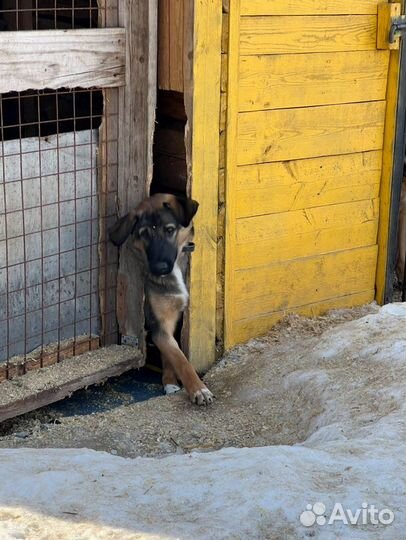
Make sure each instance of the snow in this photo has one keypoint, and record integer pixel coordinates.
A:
(350, 456)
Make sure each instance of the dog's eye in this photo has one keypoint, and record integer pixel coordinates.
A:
(143, 232)
(170, 229)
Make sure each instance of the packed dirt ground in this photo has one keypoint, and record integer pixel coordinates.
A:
(254, 406)
(321, 404)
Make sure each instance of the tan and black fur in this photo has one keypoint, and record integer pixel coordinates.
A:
(159, 228)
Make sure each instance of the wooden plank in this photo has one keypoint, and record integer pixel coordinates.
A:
(387, 11)
(62, 59)
(224, 72)
(267, 175)
(387, 174)
(323, 193)
(48, 385)
(202, 101)
(136, 119)
(286, 224)
(308, 7)
(164, 79)
(176, 44)
(224, 33)
(220, 282)
(170, 44)
(47, 356)
(304, 34)
(288, 284)
(230, 164)
(107, 182)
(248, 328)
(223, 112)
(282, 187)
(278, 135)
(302, 80)
(302, 244)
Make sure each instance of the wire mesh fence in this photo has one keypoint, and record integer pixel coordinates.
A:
(58, 186)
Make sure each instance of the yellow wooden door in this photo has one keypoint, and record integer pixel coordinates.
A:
(307, 105)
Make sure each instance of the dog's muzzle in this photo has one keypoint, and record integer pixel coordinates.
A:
(161, 268)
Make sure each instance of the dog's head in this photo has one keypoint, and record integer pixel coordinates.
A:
(159, 227)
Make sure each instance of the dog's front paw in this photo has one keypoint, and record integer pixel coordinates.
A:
(202, 397)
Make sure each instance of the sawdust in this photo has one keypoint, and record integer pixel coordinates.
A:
(254, 407)
(57, 375)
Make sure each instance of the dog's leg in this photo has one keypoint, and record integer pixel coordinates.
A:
(184, 370)
(169, 379)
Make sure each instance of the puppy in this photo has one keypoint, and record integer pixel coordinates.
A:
(159, 229)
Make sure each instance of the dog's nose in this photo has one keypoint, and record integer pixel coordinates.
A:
(161, 268)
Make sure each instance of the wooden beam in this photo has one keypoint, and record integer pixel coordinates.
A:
(171, 42)
(387, 174)
(62, 59)
(107, 181)
(202, 102)
(47, 355)
(230, 163)
(136, 120)
(48, 385)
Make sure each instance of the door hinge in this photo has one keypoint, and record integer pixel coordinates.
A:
(391, 26)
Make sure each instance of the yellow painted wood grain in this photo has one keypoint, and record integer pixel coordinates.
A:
(305, 132)
(300, 80)
(204, 187)
(283, 134)
(288, 284)
(282, 187)
(356, 233)
(266, 175)
(230, 163)
(282, 35)
(286, 224)
(387, 174)
(308, 7)
(283, 199)
(256, 326)
(387, 11)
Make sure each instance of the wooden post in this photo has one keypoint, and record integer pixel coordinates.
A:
(202, 102)
(387, 175)
(137, 101)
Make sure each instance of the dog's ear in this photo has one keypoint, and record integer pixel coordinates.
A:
(121, 230)
(189, 207)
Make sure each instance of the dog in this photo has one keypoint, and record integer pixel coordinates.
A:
(159, 228)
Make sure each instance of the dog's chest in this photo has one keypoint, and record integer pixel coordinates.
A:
(180, 282)
(171, 289)
(178, 291)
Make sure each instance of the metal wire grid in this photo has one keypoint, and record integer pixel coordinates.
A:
(49, 14)
(55, 262)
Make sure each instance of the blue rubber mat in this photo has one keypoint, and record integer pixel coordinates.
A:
(131, 387)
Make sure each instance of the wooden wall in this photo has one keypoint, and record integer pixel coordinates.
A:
(171, 43)
(305, 128)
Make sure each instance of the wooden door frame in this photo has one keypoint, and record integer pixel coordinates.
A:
(399, 144)
(202, 75)
(136, 118)
(392, 172)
